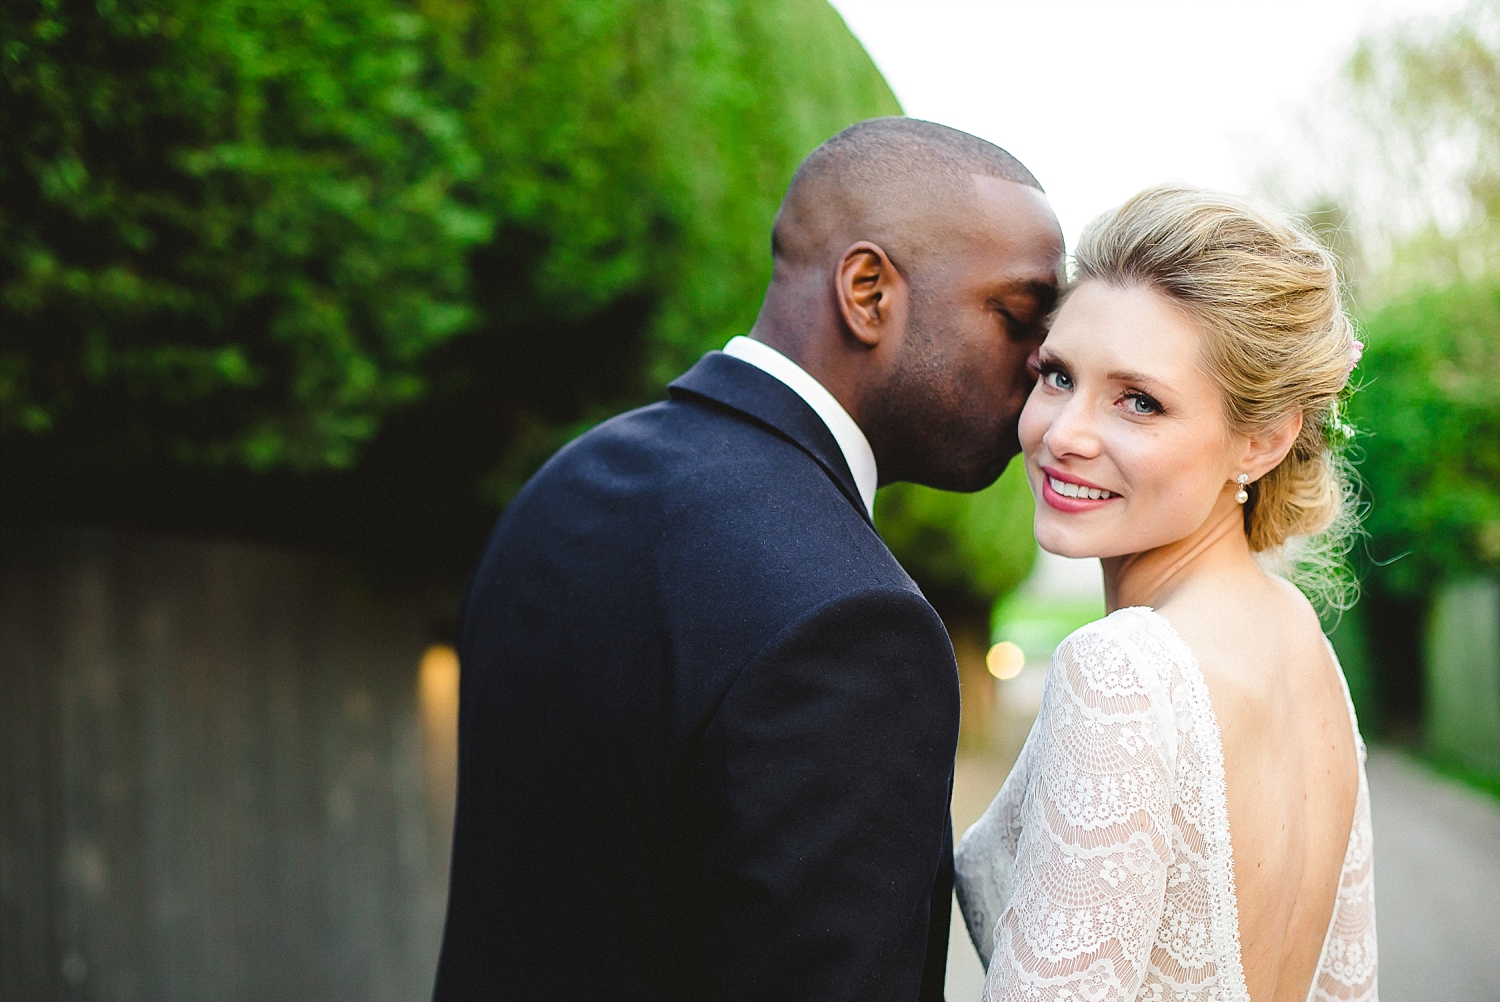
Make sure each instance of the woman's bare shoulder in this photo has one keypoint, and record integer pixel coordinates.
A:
(1297, 604)
(1238, 630)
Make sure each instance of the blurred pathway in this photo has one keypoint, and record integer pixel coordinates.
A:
(1437, 882)
(1437, 885)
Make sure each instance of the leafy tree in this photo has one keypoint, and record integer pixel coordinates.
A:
(1429, 451)
(1430, 420)
(244, 226)
(1431, 407)
(1428, 93)
(967, 550)
(229, 228)
(1416, 115)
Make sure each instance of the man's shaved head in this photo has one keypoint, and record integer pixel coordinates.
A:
(915, 267)
(900, 182)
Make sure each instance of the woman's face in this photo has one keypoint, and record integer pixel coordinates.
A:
(1124, 435)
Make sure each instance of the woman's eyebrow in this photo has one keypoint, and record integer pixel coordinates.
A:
(1128, 376)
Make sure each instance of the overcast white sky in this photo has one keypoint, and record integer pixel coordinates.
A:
(1101, 98)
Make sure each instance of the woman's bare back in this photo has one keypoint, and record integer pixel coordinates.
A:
(1290, 763)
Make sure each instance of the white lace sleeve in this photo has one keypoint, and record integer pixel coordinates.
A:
(1091, 862)
(1347, 969)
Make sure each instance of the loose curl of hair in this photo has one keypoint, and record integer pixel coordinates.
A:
(1277, 341)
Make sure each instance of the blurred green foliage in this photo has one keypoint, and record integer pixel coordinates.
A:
(1429, 413)
(1429, 93)
(1429, 407)
(966, 550)
(237, 220)
(1038, 624)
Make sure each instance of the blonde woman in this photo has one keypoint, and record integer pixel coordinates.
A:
(1189, 818)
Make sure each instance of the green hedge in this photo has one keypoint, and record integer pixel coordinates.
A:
(1429, 445)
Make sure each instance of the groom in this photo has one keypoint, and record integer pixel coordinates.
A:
(707, 722)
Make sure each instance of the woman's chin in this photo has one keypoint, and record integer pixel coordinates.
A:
(1064, 548)
(1062, 543)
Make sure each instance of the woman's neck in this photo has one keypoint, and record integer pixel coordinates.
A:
(1150, 577)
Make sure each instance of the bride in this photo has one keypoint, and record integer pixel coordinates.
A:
(1189, 818)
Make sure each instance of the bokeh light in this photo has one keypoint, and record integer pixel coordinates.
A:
(1005, 660)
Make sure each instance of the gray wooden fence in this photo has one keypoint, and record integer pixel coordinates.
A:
(1463, 675)
(218, 779)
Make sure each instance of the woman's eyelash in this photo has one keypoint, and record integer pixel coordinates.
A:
(1054, 375)
(1150, 402)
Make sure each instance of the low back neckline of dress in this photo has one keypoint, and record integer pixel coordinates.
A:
(1189, 660)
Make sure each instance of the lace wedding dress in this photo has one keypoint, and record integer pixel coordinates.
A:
(1103, 869)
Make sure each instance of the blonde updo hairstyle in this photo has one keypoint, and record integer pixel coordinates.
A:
(1267, 298)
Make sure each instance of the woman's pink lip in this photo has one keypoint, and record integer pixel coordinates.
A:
(1071, 506)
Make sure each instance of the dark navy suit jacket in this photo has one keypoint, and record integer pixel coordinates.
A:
(707, 724)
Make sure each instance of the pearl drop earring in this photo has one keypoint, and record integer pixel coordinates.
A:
(1242, 495)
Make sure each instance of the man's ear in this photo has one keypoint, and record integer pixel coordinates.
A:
(872, 294)
(1263, 451)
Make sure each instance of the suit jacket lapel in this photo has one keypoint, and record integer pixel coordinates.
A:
(768, 401)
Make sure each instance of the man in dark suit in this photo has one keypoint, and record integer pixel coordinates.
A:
(707, 722)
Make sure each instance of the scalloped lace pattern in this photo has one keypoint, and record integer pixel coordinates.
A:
(1103, 870)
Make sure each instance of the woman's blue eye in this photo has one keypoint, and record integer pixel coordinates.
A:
(1056, 379)
(1142, 405)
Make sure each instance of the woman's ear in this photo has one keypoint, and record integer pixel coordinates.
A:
(872, 294)
(1263, 451)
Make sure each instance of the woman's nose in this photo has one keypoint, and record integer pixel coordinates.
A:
(1072, 432)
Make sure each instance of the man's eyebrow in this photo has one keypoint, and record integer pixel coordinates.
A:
(1042, 295)
(1031, 286)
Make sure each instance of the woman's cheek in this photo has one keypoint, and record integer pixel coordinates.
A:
(1035, 420)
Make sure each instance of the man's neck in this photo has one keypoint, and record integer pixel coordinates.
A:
(800, 320)
(851, 440)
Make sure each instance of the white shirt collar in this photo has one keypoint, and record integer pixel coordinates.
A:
(852, 441)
